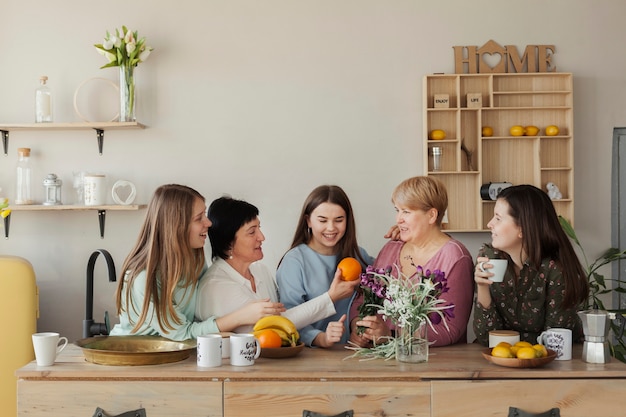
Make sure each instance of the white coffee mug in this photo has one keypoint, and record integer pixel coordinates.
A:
(226, 344)
(497, 336)
(244, 349)
(558, 340)
(47, 347)
(498, 268)
(95, 190)
(209, 350)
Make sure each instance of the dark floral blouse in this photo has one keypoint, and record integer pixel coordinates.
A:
(529, 306)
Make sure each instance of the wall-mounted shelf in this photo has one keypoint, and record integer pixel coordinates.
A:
(101, 212)
(470, 159)
(99, 127)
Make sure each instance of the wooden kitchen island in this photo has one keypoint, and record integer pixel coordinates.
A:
(456, 381)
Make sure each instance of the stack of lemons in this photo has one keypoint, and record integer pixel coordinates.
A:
(520, 350)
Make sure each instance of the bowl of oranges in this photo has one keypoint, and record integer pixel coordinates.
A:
(520, 355)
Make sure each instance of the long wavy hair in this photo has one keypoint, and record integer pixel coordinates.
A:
(347, 245)
(543, 237)
(163, 251)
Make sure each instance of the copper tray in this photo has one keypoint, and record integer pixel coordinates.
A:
(134, 350)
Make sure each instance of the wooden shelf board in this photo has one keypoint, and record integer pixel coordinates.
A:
(513, 92)
(61, 207)
(72, 126)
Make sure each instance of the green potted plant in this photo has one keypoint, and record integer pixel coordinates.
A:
(598, 284)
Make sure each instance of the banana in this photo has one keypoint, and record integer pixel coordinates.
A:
(281, 325)
(286, 338)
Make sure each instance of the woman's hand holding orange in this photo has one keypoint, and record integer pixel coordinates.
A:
(340, 289)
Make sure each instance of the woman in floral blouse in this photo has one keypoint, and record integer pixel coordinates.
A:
(544, 284)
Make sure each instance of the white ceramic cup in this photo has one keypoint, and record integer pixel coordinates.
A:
(558, 340)
(497, 336)
(498, 268)
(47, 347)
(226, 344)
(244, 349)
(95, 190)
(209, 350)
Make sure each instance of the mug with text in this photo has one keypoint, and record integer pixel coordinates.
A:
(558, 340)
(47, 347)
(95, 189)
(244, 349)
(209, 350)
(226, 344)
(498, 268)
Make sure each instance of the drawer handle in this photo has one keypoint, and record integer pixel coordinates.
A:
(307, 413)
(516, 412)
(135, 413)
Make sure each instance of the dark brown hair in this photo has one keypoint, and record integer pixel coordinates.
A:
(347, 245)
(543, 237)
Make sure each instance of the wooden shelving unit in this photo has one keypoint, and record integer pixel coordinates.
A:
(538, 99)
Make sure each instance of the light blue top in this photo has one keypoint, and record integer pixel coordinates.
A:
(304, 274)
(184, 306)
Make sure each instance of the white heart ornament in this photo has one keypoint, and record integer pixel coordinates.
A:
(124, 192)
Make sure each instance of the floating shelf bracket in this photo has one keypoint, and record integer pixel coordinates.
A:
(5, 141)
(101, 218)
(100, 138)
(7, 223)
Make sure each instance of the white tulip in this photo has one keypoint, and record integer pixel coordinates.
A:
(145, 54)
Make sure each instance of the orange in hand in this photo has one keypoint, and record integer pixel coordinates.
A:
(268, 338)
(350, 269)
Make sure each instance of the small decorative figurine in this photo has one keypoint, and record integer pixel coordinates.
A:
(553, 191)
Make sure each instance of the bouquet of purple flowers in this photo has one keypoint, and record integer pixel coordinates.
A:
(405, 301)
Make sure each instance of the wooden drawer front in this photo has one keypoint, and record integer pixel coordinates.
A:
(289, 398)
(81, 398)
(574, 397)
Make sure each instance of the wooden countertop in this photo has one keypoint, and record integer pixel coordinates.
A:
(459, 362)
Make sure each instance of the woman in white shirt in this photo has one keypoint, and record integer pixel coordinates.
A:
(237, 278)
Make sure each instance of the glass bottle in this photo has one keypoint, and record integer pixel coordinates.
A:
(43, 102)
(24, 177)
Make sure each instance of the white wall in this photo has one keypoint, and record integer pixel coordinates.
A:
(266, 100)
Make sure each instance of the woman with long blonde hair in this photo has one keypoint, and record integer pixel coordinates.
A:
(156, 294)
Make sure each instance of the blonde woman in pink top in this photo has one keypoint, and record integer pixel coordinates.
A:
(420, 204)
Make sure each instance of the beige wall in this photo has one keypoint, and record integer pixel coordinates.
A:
(267, 99)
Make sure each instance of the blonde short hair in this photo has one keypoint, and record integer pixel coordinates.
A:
(422, 193)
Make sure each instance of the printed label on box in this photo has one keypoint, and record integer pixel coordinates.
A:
(442, 101)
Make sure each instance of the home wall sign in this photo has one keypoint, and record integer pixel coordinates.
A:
(494, 58)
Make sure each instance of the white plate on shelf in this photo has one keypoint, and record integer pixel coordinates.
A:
(97, 100)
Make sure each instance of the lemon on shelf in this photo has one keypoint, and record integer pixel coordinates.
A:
(552, 130)
(531, 131)
(516, 130)
(487, 131)
(437, 134)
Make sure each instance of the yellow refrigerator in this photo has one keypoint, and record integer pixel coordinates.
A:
(19, 311)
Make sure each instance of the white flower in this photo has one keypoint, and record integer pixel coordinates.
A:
(108, 44)
(124, 48)
(130, 47)
(144, 54)
(128, 36)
